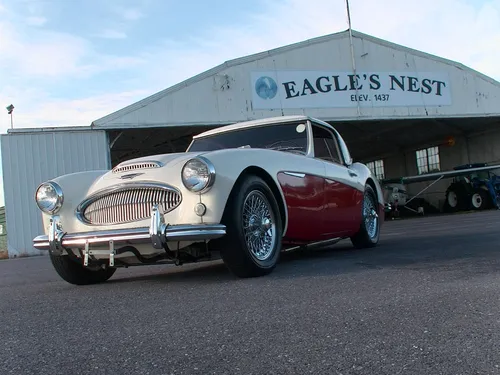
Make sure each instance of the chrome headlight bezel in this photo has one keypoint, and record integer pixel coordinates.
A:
(59, 196)
(201, 187)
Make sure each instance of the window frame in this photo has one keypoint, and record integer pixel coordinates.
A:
(374, 170)
(425, 155)
(335, 141)
(269, 125)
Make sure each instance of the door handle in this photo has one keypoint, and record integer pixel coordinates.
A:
(353, 174)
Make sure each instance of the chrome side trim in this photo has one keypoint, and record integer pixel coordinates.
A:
(295, 174)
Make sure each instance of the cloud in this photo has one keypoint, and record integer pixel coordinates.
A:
(468, 34)
(426, 25)
(131, 14)
(36, 21)
(35, 108)
(112, 34)
(54, 55)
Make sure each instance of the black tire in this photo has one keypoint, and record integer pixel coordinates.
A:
(451, 203)
(364, 239)
(480, 199)
(75, 273)
(456, 198)
(234, 249)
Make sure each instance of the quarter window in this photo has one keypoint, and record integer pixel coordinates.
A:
(325, 145)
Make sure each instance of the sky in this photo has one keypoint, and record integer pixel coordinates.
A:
(69, 62)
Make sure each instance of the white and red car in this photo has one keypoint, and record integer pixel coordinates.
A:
(243, 192)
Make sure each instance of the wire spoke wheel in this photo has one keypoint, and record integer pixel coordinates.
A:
(369, 229)
(370, 216)
(259, 225)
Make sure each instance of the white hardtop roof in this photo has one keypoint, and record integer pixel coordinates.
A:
(256, 123)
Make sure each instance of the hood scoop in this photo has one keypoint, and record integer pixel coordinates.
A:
(133, 166)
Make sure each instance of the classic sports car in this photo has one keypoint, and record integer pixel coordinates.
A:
(243, 192)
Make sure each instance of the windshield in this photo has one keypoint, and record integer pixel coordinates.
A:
(291, 137)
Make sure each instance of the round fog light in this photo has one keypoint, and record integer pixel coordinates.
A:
(200, 209)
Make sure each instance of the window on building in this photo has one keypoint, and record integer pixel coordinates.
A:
(428, 160)
(377, 168)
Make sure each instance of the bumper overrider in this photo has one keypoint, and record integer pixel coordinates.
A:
(157, 235)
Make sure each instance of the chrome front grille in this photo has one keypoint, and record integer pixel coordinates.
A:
(127, 203)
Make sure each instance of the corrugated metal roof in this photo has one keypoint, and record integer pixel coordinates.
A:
(51, 129)
(242, 60)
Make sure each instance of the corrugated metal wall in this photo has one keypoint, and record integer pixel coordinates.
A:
(29, 159)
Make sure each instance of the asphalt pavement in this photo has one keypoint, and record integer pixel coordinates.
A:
(425, 301)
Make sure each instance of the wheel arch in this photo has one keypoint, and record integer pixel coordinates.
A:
(371, 182)
(260, 172)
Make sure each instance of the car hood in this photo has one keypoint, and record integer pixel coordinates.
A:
(149, 168)
(165, 159)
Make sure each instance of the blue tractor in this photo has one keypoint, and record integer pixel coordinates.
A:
(477, 190)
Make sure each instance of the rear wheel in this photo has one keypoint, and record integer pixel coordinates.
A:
(452, 199)
(252, 244)
(457, 197)
(75, 273)
(479, 199)
(369, 231)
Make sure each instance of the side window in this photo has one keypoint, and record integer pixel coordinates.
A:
(325, 145)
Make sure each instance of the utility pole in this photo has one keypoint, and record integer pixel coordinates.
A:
(10, 109)
(353, 60)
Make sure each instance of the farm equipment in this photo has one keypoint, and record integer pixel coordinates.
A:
(480, 188)
(477, 190)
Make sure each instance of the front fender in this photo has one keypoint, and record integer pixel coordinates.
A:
(364, 175)
(231, 163)
(74, 186)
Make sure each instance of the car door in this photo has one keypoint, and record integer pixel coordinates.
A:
(342, 198)
(303, 187)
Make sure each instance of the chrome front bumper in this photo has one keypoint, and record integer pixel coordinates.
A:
(157, 235)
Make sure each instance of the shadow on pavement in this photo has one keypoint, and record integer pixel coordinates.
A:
(395, 253)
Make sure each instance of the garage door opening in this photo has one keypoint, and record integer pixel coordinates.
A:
(423, 150)
(127, 144)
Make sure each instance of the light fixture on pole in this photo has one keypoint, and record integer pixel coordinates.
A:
(10, 109)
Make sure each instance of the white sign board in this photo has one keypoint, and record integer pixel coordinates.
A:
(329, 89)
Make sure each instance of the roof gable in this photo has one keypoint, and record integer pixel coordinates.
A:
(277, 51)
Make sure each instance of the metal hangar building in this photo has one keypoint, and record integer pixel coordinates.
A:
(402, 111)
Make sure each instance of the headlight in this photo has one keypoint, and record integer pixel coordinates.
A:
(198, 174)
(49, 197)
